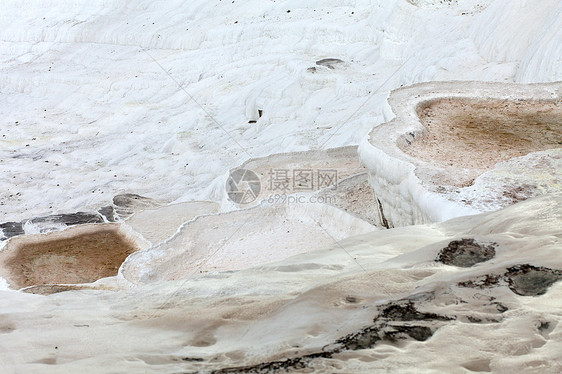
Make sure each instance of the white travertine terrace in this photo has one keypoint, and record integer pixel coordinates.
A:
(413, 188)
(137, 109)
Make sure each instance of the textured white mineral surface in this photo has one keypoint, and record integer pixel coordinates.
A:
(123, 122)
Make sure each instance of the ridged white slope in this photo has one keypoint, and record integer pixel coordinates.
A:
(90, 104)
(526, 32)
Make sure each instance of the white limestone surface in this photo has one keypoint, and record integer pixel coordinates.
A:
(303, 305)
(243, 239)
(156, 98)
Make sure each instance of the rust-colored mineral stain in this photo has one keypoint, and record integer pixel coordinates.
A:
(477, 134)
(82, 258)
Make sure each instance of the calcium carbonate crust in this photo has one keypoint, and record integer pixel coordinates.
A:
(404, 186)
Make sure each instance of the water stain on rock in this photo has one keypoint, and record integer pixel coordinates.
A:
(6, 325)
(528, 280)
(524, 280)
(466, 253)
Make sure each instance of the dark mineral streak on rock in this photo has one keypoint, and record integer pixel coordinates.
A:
(71, 219)
(9, 229)
(281, 366)
(108, 212)
(393, 324)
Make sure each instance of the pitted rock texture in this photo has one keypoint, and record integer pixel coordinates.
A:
(466, 253)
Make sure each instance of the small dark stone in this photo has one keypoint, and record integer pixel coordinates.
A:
(500, 307)
(544, 326)
(466, 253)
(419, 333)
(192, 359)
(474, 319)
(388, 326)
(329, 62)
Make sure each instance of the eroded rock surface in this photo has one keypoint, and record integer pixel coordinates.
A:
(466, 253)
(529, 280)
(522, 279)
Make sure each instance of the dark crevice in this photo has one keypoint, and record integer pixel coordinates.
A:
(384, 221)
